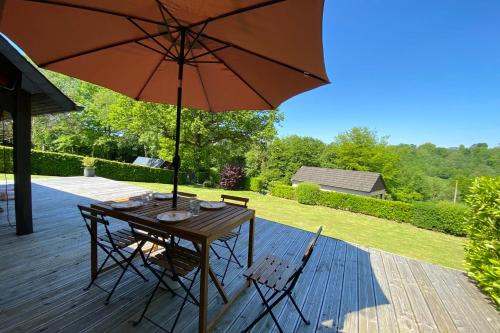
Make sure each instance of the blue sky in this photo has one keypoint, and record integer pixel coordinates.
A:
(416, 70)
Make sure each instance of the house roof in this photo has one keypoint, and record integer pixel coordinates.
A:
(347, 179)
(45, 97)
(150, 162)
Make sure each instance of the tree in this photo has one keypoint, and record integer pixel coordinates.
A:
(286, 155)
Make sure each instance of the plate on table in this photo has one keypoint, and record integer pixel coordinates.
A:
(174, 216)
(212, 205)
(126, 205)
(163, 196)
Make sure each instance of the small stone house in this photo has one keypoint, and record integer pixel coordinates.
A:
(368, 184)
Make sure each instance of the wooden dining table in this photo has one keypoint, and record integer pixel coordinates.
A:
(201, 230)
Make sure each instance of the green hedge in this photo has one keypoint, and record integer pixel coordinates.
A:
(307, 193)
(482, 253)
(444, 217)
(281, 190)
(59, 164)
(255, 184)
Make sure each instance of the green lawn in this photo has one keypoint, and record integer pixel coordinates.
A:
(365, 230)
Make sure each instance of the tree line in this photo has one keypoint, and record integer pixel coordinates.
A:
(116, 127)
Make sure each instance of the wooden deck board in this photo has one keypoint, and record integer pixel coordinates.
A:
(345, 288)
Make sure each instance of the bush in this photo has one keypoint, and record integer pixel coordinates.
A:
(308, 193)
(60, 164)
(443, 217)
(231, 177)
(281, 190)
(88, 162)
(208, 184)
(255, 184)
(482, 253)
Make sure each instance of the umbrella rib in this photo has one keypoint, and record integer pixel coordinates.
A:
(236, 12)
(100, 48)
(266, 58)
(204, 88)
(153, 72)
(151, 37)
(92, 9)
(155, 50)
(239, 76)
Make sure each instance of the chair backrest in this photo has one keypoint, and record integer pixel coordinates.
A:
(92, 215)
(235, 201)
(310, 246)
(186, 194)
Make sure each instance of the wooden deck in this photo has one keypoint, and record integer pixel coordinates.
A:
(345, 288)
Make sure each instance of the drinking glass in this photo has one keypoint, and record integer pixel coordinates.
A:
(194, 205)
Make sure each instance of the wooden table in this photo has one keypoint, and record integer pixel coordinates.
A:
(202, 230)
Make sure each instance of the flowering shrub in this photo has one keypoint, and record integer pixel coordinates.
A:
(231, 177)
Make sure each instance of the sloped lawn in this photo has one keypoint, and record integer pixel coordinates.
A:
(361, 229)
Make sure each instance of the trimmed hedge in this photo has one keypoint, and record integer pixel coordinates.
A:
(482, 253)
(281, 190)
(255, 184)
(307, 193)
(444, 217)
(60, 164)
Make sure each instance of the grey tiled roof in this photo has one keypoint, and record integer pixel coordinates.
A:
(353, 180)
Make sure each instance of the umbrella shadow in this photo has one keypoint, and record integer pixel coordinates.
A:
(354, 291)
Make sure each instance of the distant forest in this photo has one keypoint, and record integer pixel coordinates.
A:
(115, 127)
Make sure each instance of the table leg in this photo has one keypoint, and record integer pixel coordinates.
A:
(250, 241)
(93, 248)
(203, 319)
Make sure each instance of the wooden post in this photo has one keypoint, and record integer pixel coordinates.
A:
(456, 190)
(21, 116)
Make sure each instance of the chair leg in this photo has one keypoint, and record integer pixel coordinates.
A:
(128, 263)
(150, 299)
(268, 310)
(271, 297)
(307, 322)
(188, 294)
(97, 273)
(231, 252)
(215, 252)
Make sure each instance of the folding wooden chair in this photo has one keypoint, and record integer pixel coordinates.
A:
(112, 243)
(186, 194)
(229, 240)
(174, 261)
(278, 276)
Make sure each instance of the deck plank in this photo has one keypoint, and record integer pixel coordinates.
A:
(345, 288)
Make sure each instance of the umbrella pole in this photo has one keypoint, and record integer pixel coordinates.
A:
(177, 158)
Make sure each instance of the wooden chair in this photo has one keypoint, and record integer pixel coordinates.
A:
(229, 240)
(186, 194)
(174, 261)
(279, 276)
(112, 243)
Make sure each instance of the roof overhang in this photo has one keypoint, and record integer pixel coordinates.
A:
(45, 97)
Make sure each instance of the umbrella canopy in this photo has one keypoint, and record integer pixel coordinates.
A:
(227, 55)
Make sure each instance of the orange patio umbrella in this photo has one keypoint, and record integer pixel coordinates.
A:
(226, 54)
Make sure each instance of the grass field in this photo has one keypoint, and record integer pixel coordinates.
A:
(361, 229)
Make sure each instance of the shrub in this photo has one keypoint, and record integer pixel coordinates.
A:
(442, 217)
(482, 253)
(208, 184)
(255, 184)
(307, 193)
(231, 177)
(6, 162)
(60, 164)
(88, 162)
(281, 190)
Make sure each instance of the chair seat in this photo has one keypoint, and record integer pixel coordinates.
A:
(122, 238)
(184, 260)
(228, 236)
(271, 271)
